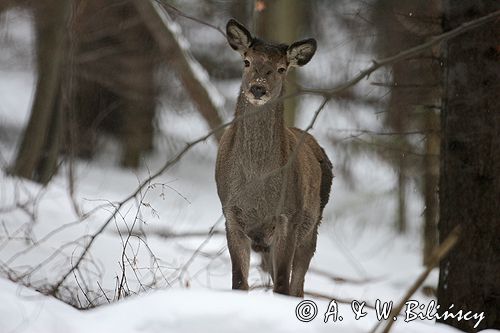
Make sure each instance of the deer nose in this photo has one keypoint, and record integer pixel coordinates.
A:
(258, 91)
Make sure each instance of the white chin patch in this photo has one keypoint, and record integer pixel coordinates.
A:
(258, 101)
(255, 101)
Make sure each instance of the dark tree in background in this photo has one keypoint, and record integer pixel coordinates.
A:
(469, 190)
(412, 102)
(96, 66)
(113, 88)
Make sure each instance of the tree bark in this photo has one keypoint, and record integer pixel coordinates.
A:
(37, 155)
(469, 189)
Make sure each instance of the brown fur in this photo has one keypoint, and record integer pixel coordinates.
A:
(250, 176)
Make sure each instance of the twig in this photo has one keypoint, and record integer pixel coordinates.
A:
(173, 9)
(201, 246)
(170, 234)
(340, 279)
(103, 292)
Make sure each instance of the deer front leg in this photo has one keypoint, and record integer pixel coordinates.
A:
(283, 253)
(239, 250)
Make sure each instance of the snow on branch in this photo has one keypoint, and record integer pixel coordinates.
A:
(176, 49)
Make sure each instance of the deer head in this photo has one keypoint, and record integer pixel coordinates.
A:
(266, 64)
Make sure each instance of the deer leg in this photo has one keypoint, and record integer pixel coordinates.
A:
(266, 263)
(283, 253)
(239, 250)
(303, 255)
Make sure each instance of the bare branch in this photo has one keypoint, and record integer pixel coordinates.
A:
(176, 11)
(194, 78)
(402, 55)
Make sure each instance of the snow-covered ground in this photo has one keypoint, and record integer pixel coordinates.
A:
(182, 311)
(183, 282)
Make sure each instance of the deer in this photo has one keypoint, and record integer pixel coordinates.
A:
(270, 207)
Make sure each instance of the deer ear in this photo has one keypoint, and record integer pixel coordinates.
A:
(238, 36)
(299, 53)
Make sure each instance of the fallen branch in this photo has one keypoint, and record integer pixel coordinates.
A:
(339, 279)
(168, 234)
(338, 300)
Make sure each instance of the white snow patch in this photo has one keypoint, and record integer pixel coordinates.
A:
(181, 311)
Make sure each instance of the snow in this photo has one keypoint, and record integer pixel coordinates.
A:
(179, 311)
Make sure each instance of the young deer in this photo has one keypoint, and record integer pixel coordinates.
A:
(250, 172)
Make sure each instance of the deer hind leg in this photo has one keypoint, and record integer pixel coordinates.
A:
(303, 255)
(266, 263)
(282, 256)
(239, 250)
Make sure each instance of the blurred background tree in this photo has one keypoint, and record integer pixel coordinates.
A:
(413, 101)
(284, 21)
(96, 62)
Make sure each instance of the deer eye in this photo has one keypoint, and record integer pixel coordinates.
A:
(281, 70)
(269, 72)
(247, 63)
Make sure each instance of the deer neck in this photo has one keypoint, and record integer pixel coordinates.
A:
(259, 134)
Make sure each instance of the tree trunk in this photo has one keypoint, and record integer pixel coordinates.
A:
(469, 190)
(37, 155)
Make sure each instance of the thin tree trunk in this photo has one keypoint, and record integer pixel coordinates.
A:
(37, 155)
(431, 179)
(398, 117)
(401, 223)
(281, 21)
(469, 190)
